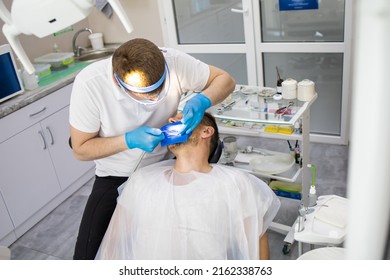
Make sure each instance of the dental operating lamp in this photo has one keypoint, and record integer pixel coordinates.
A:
(44, 17)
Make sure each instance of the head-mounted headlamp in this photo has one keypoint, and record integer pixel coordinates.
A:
(144, 90)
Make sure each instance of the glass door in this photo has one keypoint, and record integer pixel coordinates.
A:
(250, 38)
(218, 32)
(312, 44)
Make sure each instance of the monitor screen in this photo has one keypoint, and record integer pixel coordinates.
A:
(10, 84)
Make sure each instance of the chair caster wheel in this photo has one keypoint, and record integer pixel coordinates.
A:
(286, 248)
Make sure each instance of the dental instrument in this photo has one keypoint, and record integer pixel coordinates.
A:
(250, 149)
(120, 188)
(172, 133)
(285, 109)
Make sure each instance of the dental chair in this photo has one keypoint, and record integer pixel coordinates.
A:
(216, 154)
(323, 225)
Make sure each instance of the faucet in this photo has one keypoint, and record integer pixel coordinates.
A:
(77, 49)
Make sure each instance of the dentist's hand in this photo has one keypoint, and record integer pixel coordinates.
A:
(194, 110)
(145, 138)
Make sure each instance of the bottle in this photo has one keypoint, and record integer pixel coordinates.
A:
(312, 196)
(55, 48)
(279, 82)
(298, 127)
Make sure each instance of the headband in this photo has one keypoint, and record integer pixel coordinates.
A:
(143, 89)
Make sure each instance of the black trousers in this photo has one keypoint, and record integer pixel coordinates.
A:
(97, 215)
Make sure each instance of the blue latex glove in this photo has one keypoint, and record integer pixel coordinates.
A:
(193, 112)
(145, 138)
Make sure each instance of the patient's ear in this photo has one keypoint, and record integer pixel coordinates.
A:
(207, 131)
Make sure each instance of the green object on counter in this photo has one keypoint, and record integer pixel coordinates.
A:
(57, 75)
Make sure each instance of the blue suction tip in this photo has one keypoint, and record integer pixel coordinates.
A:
(171, 132)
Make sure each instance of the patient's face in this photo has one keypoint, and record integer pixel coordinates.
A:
(192, 141)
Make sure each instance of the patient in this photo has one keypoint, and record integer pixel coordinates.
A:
(190, 209)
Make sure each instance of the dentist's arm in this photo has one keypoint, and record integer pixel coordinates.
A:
(219, 85)
(89, 146)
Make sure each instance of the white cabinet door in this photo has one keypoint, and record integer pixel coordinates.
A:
(6, 225)
(28, 178)
(56, 131)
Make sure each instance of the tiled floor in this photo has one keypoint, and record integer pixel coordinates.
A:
(54, 237)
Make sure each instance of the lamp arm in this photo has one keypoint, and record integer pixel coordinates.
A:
(11, 33)
(117, 7)
(5, 15)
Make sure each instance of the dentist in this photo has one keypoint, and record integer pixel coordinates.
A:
(116, 108)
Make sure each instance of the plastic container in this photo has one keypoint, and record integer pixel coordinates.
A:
(306, 90)
(42, 70)
(96, 41)
(289, 89)
(30, 81)
(56, 60)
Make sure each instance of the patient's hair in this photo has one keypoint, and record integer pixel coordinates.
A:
(209, 120)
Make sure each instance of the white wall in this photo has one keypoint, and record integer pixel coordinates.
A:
(143, 14)
(35, 46)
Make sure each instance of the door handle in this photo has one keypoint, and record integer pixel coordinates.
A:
(43, 139)
(51, 136)
(238, 11)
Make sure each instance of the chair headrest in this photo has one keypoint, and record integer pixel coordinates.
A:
(216, 154)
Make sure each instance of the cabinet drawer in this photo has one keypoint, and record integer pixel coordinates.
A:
(35, 112)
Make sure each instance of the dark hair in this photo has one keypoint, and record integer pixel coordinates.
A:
(139, 55)
(209, 120)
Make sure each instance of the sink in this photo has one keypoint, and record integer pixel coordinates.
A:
(94, 55)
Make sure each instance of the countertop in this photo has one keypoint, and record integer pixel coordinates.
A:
(29, 96)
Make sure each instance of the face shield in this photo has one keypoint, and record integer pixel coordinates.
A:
(142, 94)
